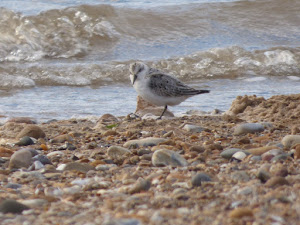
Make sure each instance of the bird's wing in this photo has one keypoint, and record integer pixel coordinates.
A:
(168, 86)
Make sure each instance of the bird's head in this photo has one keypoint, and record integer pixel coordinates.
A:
(137, 70)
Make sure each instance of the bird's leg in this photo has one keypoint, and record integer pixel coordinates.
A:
(165, 109)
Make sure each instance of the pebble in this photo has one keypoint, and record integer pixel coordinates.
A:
(5, 152)
(279, 170)
(228, 153)
(267, 156)
(290, 140)
(62, 139)
(12, 206)
(117, 151)
(140, 185)
(199, 178)
(261, 150)
(263, 175)
(108, 118)
(145, 142)
(34, 203)
(38, 165)
(67, 146)
(166, 157)
(143, 152)
(193, 128)
(21, 158)
(248, 128)
(239, 155)
(32, 131)
(197, 148)
(81, 167)
(42, 158)
(281, 157)
(256, 158)
(274, 182)
(241, 212)
(25, 141)
(55, 153)
(240, 176)
(61, 167)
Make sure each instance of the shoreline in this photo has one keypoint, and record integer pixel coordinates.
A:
(240, 167)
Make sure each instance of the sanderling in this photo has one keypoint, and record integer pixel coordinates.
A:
(159, 88)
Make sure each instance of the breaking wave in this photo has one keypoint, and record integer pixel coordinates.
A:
(93, 45)
(231, 62)
(85, 30)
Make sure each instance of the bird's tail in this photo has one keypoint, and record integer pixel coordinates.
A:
(202, 91)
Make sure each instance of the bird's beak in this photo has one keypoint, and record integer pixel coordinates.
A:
(134, 78)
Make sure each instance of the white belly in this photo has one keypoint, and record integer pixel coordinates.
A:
(146, 93)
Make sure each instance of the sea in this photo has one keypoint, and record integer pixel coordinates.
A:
(62, 59)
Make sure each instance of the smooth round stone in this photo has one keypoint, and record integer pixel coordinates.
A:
(21, 158)
(199, 178)
(197, 148)
(12, 206)
(256, 158)
(140, 185)
(55, 153)
(25, 141)
(241, 212)
(38, 165)
(67, 146)
(290, 140)
(281, 157)
(263, 175)
(117, 151)
(42, 158)
(5, 152)
(81, 167)
(248, 128)
(267, 156)
(239, 155)
(261, 150)
(62, 139)
(145, 142)
(193, 128)
(34, 203)
(228, 153)
(166, 157)
(274, 182)
(61, 167)
(32, 131)
(276, 152)
(279, 170)
(143, 152)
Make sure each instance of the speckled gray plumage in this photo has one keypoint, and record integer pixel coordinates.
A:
(168, 86)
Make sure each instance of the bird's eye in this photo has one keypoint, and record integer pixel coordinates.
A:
(140, 69)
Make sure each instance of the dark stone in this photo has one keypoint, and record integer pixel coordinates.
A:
(199, 178)
(43, 159)
(12, 206)
(24, 141)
